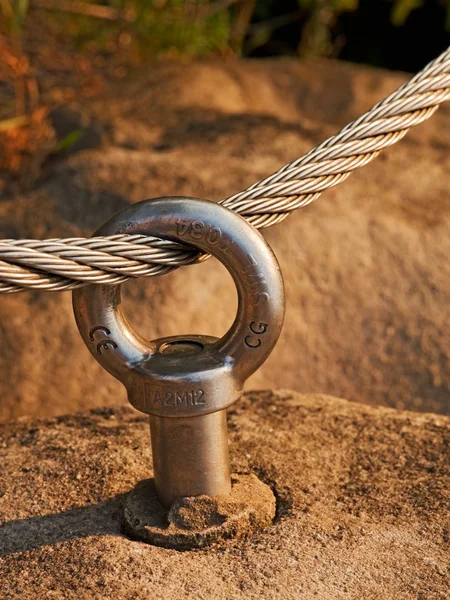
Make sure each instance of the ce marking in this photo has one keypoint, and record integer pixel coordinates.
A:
(102, 344)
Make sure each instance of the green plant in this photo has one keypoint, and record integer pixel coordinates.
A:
(151, 28)
(169, 27)
(69, 140)
(403, 8)
(14, 13)
(321, 16)
(13, 62)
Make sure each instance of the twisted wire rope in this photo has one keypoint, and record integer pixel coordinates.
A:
(61, 264)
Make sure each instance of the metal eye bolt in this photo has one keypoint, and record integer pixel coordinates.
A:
(186, 383)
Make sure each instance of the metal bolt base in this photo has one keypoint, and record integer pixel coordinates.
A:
(198, 521)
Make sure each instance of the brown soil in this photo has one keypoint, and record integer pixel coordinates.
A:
(366, 267)
(363, 507)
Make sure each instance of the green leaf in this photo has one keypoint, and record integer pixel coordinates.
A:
(13, 123)
(341, 6)
(402, 9)
(21, 11)
(70, 139)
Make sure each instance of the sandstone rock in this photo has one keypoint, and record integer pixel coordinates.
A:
(366, 267)
(199, 521)
(363, 507)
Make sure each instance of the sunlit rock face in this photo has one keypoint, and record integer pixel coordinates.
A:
(362, 506)
(366, 267)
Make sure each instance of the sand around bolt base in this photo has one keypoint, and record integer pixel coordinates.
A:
(199, 521)
(363, 507)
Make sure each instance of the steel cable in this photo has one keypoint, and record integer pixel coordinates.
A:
(67, 263)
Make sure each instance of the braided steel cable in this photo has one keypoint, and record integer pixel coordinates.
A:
(66, 264)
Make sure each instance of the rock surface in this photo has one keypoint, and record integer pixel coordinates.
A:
(363, 507)
(199, 521)
(366, 267)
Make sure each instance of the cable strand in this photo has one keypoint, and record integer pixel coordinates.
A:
(61, 264)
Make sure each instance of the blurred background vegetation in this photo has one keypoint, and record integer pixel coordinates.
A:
(398, 34)
(45, 41)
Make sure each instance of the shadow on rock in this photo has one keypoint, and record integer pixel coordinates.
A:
(103, 518)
